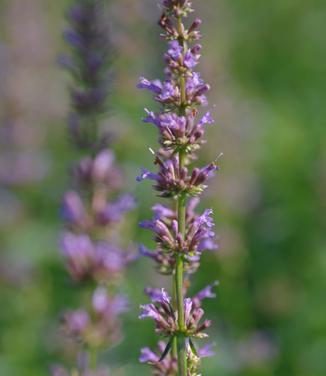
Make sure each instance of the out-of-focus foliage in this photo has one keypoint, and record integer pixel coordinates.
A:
(266, 63)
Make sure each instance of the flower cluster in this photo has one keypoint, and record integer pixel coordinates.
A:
(198, 238)
(99, 327)
(168, 365)
(173, 180)
(166, 319)
(97, 260)
(94, 205)
(181, 235)
(179, 132)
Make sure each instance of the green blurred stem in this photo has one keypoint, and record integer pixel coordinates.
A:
(93, 358)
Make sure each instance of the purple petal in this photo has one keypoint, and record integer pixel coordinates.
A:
(149, 225)
(73, 208)
(175, 50)
(145, 251)
(168, 91)
(73, 38)
(187, 307)
(146, 174)
(102, 164)
(110, 258)
(207, 245)
(100, 299)
(115, 211)
(154, 294)
(77, 247)
(76, 321)
(147, 355)
(154, 86)
(151, 118)
(190, 61)
(207, 292)
(206, 351)
(161, 211)
(119, 304)
(165, 297)
(149, 311)
(206, 119)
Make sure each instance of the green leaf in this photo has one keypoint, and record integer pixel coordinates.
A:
(193, 348)
(167, 349)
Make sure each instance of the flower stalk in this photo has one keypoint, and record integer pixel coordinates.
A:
(181, 345)
(181, 234)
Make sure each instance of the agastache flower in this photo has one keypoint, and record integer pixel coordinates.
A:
(199, 237)
(173, 180)
(180, 234)
(177, 61)
(167, 93)
(166, 318)
(155, 294)
(160, 310)
(179, 132)
(166, 366)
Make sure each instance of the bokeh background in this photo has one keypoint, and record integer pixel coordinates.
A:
(266, 64)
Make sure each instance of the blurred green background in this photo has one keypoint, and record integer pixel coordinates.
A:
(266, 65)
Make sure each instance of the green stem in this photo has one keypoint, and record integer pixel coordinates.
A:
(93, 358)
(175, 307)
(179, 270)
(181, 345)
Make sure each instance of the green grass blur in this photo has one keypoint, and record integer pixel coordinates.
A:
(266, 65)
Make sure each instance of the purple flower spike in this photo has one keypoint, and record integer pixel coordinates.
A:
(181, 235)
(91, 210)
